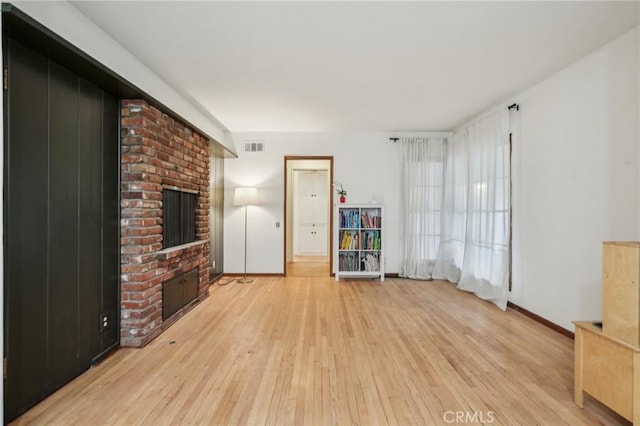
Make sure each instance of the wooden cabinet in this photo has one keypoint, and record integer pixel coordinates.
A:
(607, 354)
(358, 241)
(621, 292)
(178, 292)
(608, 369)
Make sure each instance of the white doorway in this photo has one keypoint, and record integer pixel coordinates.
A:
(308, 222)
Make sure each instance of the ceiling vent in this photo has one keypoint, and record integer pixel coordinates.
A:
(253, 146)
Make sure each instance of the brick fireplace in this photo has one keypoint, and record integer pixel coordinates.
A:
(158, 153)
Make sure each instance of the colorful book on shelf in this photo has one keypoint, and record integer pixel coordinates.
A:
(345, 241)
(349, 219)
(370, 221)
(371, 240)
(348, 262)
(349, 240)
(371, 262)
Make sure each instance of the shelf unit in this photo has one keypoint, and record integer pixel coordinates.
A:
(359, 241)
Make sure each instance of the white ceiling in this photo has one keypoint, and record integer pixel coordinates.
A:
(357, 66)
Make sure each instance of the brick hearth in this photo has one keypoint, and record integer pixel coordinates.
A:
(157, 151)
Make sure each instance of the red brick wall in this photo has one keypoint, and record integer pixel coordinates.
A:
(156, 151)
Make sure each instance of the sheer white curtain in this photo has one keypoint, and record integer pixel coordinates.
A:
(421, 197)
(456, 207)
(454, 211)
(485, 264)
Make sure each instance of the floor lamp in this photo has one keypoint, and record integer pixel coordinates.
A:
(245, 197)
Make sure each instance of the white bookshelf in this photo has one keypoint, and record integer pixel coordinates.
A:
(358, 241)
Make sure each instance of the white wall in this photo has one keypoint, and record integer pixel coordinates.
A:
(576, 180)
(576, 176)
(69, 23)
(366, 163)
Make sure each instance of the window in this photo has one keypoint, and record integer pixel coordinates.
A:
(488, 220)
(422, 192)
(178, 217)
(426, 209)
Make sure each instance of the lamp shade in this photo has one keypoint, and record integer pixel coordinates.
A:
(245, 196)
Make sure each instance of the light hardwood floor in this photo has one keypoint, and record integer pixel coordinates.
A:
(308, 269)
(311, 259)
(306, 351)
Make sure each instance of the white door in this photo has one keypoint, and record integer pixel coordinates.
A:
(311, 192)
(313, 239)
(311, 196)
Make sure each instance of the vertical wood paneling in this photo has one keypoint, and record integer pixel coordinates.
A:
(90, 191)
(63, 225)
(217, 210)
(110, 221)
(26, 231)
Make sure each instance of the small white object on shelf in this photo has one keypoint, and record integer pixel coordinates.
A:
(376, 199)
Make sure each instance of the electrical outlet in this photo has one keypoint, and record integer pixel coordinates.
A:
(213, 264)
(104, 322)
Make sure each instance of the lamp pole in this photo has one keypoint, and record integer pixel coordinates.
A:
(245, 197)
(245, 280)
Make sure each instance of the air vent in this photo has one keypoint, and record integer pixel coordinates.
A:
(253, 146)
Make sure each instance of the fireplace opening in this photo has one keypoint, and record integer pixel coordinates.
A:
(178, 216)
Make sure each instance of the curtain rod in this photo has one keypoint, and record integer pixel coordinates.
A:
(510, 107)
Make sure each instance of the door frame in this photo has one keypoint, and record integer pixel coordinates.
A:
(288, 158)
